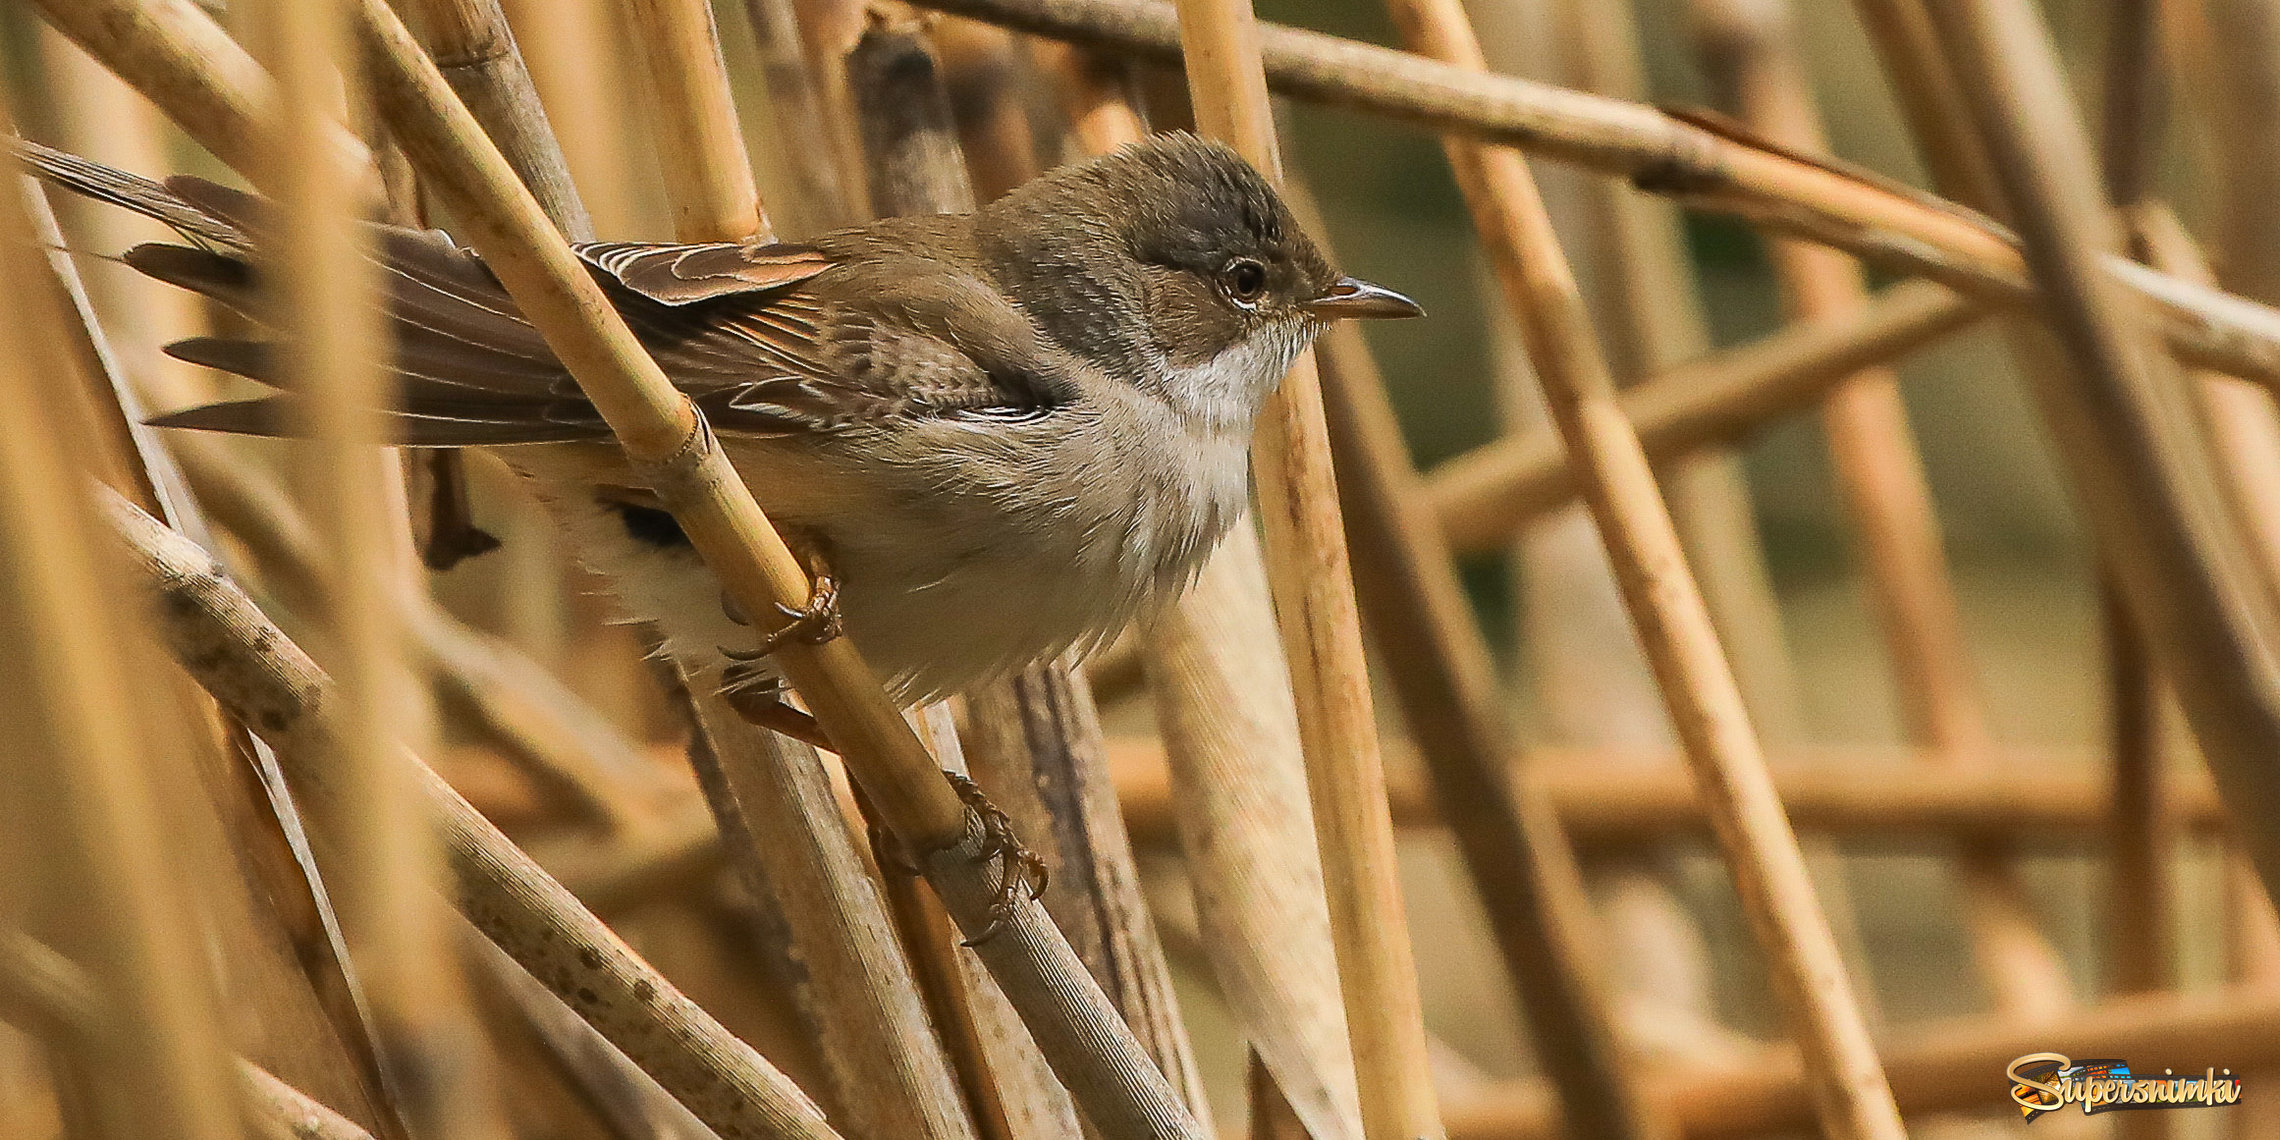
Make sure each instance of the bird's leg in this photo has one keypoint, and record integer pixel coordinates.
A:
(1020, 870)
(815, 622)
(760, 700)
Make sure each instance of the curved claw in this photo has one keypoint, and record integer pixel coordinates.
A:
(1021, 870)
(814, 623)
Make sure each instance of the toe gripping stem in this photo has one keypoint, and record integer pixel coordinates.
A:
(1020, 871)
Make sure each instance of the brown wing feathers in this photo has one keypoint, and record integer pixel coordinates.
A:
(471, 370)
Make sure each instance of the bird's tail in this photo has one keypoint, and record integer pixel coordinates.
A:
(470, 370)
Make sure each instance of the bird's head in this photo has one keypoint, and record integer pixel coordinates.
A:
(1178, 267)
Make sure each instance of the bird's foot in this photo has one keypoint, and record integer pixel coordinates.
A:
(812, 623)
(1020, 870)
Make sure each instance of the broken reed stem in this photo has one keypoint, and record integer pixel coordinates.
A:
(2126, 445)
(1221, 691)
(803, 128)
(475, 49)
(1938, 1068)
(692, 117)
(1661, 154)
(1312, 581)
(262, 677)
(1698, 688)
(1441, 670)
(1485, 496)
(79, 799)
(1888, 500)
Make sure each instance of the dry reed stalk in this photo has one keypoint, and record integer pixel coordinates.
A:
(286, 981)
(2142, 909)
(773, 801)
(1665, 155)
(2232, 49)
(1441, 670)
(262, 677)
(782, 821)
(1487, 495)
(99, 117)
(1637, 275)
(1034, 737)
(44, 992)
(828, 31)
(279, 1111)
(700, 147)
(2133, 461)
(1937, 1068)
(1616, 796)
(81, 801)
(1604, 796)
(625, 1099)
(1888, 499)
(385, 860)
(1311, 579)
(2242, 420)
(1221, 691)
(177, 56)
(1271, 1116)
(1699, 690)
(1238, 779)
(983, 70)
(802, 127)
(1037, 738)
(568, 46)
(561, 742)
(473, 46)
(1009, 1082)
(1654, 315)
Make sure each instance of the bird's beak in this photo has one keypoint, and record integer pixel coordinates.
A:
(1352, 299)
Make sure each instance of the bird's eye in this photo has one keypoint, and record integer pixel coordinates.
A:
(1244, 279)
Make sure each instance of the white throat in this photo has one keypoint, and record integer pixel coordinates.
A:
(1226, 392)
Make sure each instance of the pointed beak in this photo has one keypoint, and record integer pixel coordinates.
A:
(1352, 299)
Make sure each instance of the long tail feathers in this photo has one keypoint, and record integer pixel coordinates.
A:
(471, 370)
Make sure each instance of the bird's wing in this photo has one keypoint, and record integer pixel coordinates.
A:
(742, 327)
(672, 273)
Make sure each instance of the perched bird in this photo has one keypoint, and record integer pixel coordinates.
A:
(1005, 434)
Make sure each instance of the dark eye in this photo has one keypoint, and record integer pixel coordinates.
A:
(1244, 279)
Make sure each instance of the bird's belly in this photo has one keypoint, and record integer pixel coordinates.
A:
(943, 591)
(941, 587)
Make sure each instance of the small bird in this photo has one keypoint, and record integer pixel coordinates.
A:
(1000, 435)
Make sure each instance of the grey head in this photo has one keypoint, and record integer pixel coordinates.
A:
(1174, 266)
